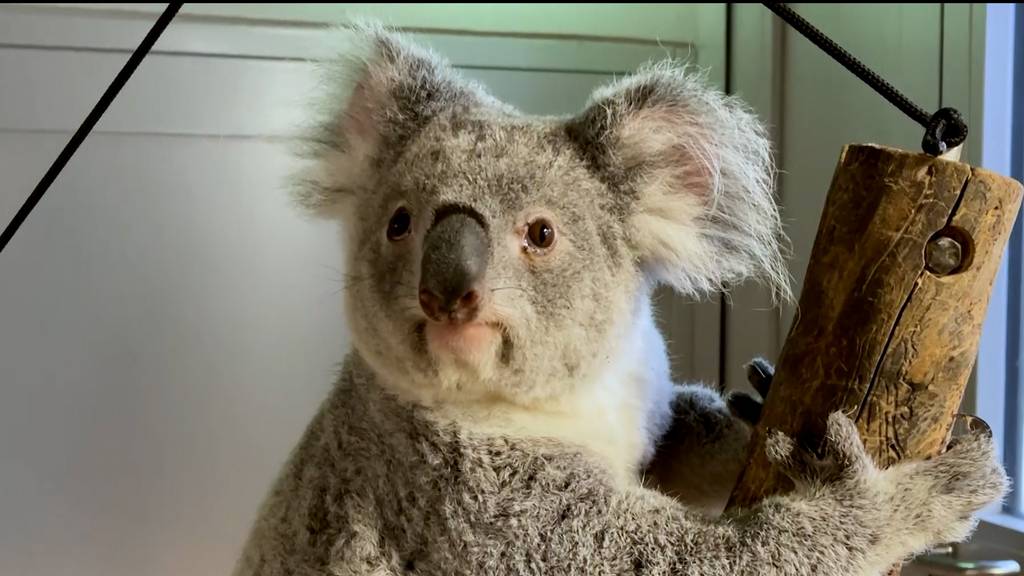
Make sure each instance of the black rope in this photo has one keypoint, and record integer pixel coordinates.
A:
(90, 121)
(944, 129)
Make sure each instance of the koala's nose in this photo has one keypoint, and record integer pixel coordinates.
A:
(458, 310)
(456, 250)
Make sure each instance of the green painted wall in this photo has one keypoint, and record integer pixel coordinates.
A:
(667, 22)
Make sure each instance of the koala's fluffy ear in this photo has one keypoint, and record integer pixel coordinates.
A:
(377, 95)
(693, 168)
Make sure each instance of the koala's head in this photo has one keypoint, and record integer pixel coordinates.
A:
(494, 254)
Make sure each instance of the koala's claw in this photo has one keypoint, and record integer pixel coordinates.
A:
(969, 424)
(760, 374)
(747, 407)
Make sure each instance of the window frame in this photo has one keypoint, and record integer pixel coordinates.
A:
(997, 393)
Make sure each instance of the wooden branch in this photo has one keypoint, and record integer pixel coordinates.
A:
(891, 310)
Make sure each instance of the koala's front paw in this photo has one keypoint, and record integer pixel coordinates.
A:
(744, 406)
(915, 505)
(940, 498)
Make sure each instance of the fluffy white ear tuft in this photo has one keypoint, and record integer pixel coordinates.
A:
(697, 166)
(374, 97)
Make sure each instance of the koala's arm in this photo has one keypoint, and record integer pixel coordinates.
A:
(846, 517)
(703, 451)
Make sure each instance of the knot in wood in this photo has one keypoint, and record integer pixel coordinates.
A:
(943, 255)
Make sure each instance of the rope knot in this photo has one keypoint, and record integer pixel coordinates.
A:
(946, 129)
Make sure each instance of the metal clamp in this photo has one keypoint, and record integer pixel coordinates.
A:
(949, 566)
(948, 561)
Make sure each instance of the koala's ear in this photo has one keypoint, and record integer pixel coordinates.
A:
(375, 98)
(693, 169)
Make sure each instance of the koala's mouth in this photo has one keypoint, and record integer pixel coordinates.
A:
(419, 335)
(472, 342)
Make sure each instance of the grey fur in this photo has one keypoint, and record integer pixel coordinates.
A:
(525, 455)
(379, 486)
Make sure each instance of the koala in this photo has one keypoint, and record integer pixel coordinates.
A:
(507, 387)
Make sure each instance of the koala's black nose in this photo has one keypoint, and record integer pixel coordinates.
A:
(456, 250)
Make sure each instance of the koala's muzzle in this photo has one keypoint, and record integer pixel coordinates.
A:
(456, 250)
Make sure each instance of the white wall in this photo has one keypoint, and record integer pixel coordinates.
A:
(699, 24)
(163, 340)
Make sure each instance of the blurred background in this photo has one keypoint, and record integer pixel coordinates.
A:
(169, 323)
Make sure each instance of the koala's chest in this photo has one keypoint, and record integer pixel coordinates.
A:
(610, 427)
(477, 506)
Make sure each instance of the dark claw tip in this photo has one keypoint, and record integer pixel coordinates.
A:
(760, 374)
(966, 424)
(978, 425)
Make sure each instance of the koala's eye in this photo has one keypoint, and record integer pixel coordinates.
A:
(399, 225)
(540, 234)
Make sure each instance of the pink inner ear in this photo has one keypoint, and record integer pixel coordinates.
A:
(357, 133)
(668, 143)
(357, 125)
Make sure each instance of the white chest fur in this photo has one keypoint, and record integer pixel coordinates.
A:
(616, 417)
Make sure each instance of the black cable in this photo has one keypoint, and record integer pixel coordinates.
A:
(90, 121)
(943, 130)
